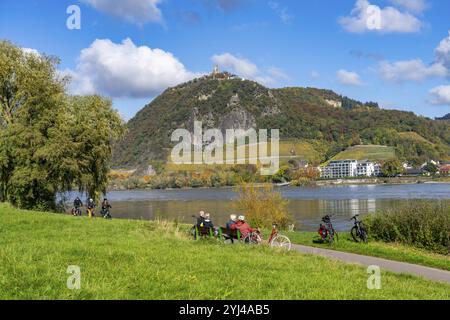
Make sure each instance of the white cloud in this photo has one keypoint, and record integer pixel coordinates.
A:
(416, 6)
(348, 78)
(248, 69)
(411, 70)
(277, 73)
(31, 51)
(282, 12)
(440, 95)
(315, 74)
(443, 52)
(134, 11)
(126, 70)
(241, 66)
(416, 69)
(367, 17)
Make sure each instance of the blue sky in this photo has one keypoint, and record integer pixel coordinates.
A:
(397, 55)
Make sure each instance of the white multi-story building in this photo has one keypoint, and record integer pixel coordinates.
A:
(350, 168)
(340, 169)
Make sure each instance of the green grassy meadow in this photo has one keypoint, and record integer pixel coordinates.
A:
(390, 251)
(122, 259)
(367, 152)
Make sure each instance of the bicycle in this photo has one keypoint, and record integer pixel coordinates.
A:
(90, 212)
(359, 232)
(106, 214)
(76, 212)
(327, 231)
(276, 240)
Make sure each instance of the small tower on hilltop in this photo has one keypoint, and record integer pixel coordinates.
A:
(216, 71)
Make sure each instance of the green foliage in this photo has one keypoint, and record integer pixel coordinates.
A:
(431, 168)
(153, 260)
(446, 117)
(392, 168)
(263, 206)
(49, 142)
(390, 251)
(301, 114)
(421, 224)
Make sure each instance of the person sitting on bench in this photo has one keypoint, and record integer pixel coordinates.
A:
(243, 227)
(207, 223)
(232, 221)
(201, 219)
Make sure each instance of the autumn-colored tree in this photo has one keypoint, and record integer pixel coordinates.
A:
(263, 206)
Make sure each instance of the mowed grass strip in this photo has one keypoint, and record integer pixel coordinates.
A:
(122, 259)
(390, 251)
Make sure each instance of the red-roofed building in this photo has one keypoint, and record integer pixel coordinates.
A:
(444, 170)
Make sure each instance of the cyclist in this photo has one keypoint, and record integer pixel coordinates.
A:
(77, 204)
(90, 208)
(105, 209)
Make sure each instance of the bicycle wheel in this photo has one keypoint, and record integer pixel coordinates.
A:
(282, 242)
(333, 237)
(252, 239)
(355, 234)
(193, 233)
(363, 235)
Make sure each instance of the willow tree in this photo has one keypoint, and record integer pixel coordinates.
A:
(49, 142)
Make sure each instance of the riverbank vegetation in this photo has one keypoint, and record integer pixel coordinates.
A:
(50, 142)
(122, 259)
(211, 177)
(424, 224)
(263, 206)
(391, 251)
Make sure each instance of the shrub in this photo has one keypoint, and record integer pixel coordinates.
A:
(421, 224)
(263, 206)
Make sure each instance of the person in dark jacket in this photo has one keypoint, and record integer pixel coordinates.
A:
(90, 208)
(105, 209)
(233, 219)
(208, 223)
(77, 203)
(201, 219)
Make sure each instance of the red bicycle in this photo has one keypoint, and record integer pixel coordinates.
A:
(276, 240)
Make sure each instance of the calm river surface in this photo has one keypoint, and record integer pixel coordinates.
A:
(307, 205)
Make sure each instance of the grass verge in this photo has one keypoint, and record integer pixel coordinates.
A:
(394, 251)
(122, 259)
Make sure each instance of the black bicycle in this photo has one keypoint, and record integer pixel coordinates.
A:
(76, 212)
(106, 214)
(327, 231)
(359, 231)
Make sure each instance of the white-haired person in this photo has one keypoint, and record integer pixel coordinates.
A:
(243, 227)
(233, 220)
(201, 219)
(208, 223)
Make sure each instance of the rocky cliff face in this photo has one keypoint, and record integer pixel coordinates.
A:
(319, 116)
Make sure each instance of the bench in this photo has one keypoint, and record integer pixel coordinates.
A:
(224, 233)
(203, 232)
(228, 234)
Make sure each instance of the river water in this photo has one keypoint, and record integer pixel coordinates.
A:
(307, 205)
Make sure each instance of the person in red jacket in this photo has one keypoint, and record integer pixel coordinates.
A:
(243, 227)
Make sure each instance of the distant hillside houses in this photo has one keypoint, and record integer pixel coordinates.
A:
(350, 169)
(442, 168)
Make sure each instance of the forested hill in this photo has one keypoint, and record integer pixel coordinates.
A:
(328, 121)
(446, 117)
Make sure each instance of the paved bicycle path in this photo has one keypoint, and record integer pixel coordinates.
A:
(387, 265)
